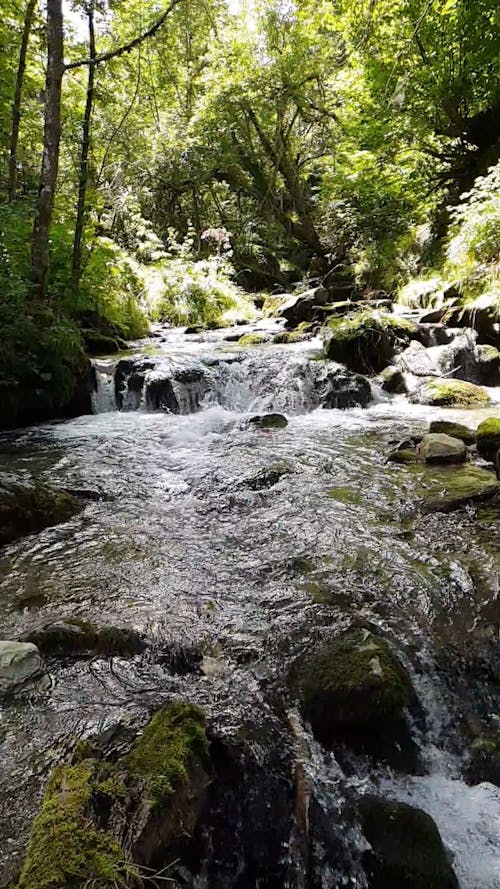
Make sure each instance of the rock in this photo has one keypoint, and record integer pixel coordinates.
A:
(417, 360)
(434, 335)
(488, 438)
(456, 430)
(488, 365)
(484, 761)
(436, 447)
(403, 455)
(25, 509)
(453, 488)
(407, 851)
(254, 339)
(76, 637)
(481, 316)
(341, 389)
(19, 662)
(288, 337)
(194, 329)
(100, 344)
(103, 820)
(303, 306)
(269, 421)
(354, 691)
(367, 341)
(450, 393)
(267, 478)
(392, 380)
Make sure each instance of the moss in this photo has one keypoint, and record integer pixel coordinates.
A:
(346, 495)
(403, 455)
(488, 438)
(171, 745)
(288, 337)
(66, 848)
(451, 393)
(253, 339)
(451, 488)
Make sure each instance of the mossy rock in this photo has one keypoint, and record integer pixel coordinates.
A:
(407, 851)
(450, 393)
(355, 691)
(147, 803)
(488, 438)
(67, 848)
(452, 488)
(268, 421)
(392, 380)
(288, 337)
(170, 747)
(25, 509)
(484, 761)
(455, 430)
(436, 447)
(97, 343)
(75, 637)
(269, 477)
(253, 339)
(403, 456)
(367, 341)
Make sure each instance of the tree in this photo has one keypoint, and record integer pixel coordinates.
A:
(16, 104)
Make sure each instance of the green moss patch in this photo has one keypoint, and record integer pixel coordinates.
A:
(66, 848)
(171, 745)
(450, 393)
(253, 339)
(488, 438)
(450, 488)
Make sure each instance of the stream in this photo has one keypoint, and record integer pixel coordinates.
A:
(192, 550)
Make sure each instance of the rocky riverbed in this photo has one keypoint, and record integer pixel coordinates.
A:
(256, 651)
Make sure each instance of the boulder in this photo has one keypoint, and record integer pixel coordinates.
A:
(450, 393)
(76, 637)
(267, 478)
(488, 365)
(268, 421)
(403, 456)
(288, 337)
(484, 761)
(303, 306)
(103, 823)
(339, 388)
(392, 380)
(406, 850)
(481, 316)
(436, 447)
(355, 692)
(454, 488)
(367, 341)
(25, 509)
(488, 438)
(417, 360)
(19, 662)
(97, 343)
(456, 430)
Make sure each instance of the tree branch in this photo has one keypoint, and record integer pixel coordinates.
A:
(127, 47)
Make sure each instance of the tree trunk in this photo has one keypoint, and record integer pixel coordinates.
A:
(76, 266)
(16, 104)
(51, 145)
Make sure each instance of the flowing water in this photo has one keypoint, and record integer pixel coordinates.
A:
(188, 549)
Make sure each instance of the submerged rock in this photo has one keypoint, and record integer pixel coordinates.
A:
(456, 430)
(450, 393)
(403, 455)
(254, 339)
(19, 662)
(488, 438)
(74, 637)
(367, 341)
(266, 478)
(453, 488)
(436, 447)
(25, 509)
(101, 822)
(355, 691)
(407, 851)
(269, 421)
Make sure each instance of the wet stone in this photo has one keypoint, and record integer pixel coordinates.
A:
(437, 447)
(76, 637)
(25, 509)
(19, 662)
(269, 421)
(456, 430)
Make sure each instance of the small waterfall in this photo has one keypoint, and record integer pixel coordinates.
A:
(103, 399)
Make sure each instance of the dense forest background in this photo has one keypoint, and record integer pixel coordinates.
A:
(161, 161)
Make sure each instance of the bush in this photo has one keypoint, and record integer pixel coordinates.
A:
(189, 291)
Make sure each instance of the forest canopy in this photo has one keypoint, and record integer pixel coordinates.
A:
(158, 161)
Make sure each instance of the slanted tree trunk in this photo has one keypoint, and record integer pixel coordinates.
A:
(76, 266)
(51, 145)
(16, 104)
